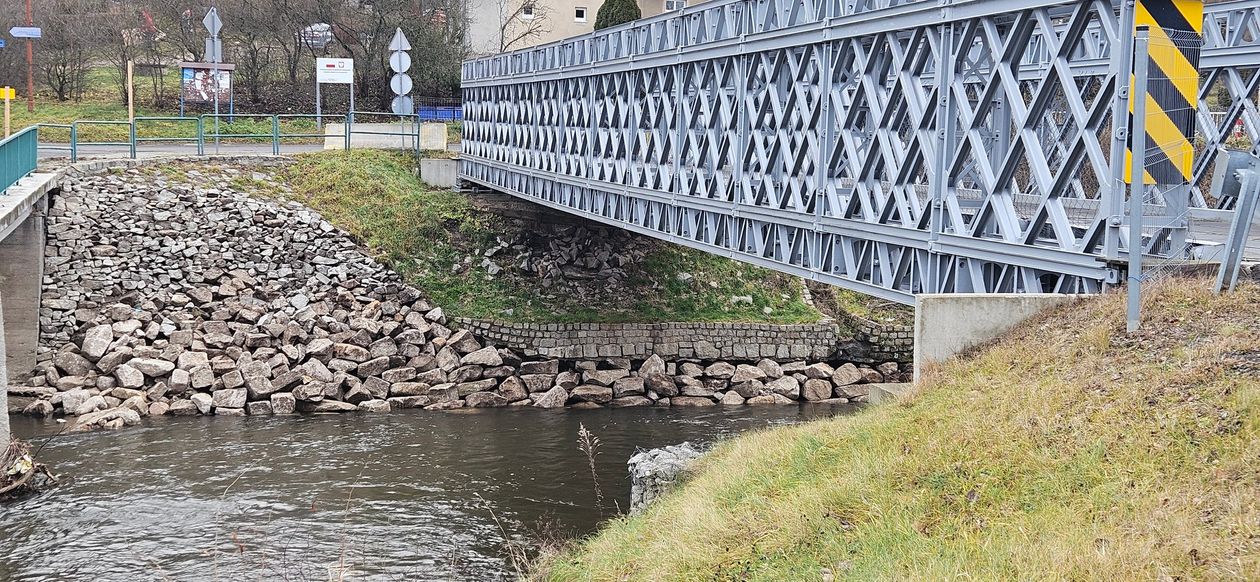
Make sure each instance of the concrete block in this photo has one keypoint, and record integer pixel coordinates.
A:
(439, 172)
(946, 324)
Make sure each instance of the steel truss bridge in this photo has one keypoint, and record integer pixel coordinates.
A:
(890, 147)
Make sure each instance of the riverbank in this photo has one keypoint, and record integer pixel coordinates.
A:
(197, 290)
(1067, 450)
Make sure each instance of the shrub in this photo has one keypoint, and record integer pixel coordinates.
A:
(615, 12)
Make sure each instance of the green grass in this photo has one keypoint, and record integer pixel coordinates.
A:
(1068, 451)
(426, 233)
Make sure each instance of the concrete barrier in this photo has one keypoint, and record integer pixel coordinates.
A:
(386, 136)
(439, 172)
(946, 324)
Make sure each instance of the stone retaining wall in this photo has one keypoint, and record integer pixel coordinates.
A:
(705, 341)
(881, 342)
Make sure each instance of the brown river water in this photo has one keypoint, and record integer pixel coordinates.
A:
(410, 495)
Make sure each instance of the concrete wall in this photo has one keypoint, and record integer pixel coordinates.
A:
(21, 278)
(484, 36)
(385, 136)
(554, 20)
(947, 324)
(439, 172)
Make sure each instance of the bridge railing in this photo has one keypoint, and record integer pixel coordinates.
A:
(891, 147)
(255, 128)
(18, 156)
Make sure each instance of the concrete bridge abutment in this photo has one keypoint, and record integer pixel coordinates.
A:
(21, 278)
(948, 324)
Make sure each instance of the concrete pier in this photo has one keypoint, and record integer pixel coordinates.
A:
(22, 212)
(21, 276)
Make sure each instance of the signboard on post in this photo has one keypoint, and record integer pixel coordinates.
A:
(334, 71)
(26, 32)
(203, 82)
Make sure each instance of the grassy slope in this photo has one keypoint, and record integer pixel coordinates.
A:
(1067, 451)
(423, 233)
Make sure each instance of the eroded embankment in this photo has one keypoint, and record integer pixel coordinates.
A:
(1068, 450)
(182, 294)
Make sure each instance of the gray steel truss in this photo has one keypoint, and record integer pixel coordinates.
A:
(893, 148)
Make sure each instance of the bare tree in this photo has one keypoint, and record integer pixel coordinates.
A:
(72, 35)
(519, 21)
(249, 41)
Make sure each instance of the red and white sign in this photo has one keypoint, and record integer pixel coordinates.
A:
(337, 71)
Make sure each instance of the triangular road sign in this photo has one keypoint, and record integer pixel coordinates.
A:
(400, 42)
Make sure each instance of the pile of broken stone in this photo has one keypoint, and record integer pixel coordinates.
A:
(164, 298)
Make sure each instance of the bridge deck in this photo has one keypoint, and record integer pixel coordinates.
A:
(17, 203)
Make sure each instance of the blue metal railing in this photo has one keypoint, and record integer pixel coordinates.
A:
(214, 128)
(18, 155)
(195, 138)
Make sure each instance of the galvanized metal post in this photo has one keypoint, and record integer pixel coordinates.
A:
(1239, 230)
(1137, 187)
(1122, 60)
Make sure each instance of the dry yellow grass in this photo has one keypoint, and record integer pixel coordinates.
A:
(1069, 450)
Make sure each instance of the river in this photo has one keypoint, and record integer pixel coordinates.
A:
(403, 496)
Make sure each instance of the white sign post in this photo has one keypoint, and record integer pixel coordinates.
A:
(400, 84)
(333, 72)
(214, 55)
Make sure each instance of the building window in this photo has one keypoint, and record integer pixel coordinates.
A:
(527, 11)
(675, 5)
(579, 14)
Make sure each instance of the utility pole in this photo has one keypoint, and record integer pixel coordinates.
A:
(30, 63)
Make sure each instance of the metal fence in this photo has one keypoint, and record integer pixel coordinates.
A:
(209, 129)
(18, 156)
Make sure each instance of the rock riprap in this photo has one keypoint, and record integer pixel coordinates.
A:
(654, 472)
(190, 297)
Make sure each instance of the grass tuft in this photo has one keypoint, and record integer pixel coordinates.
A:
(1068, 450)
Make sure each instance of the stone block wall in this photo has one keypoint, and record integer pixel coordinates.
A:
(882, 342)
(705, 341)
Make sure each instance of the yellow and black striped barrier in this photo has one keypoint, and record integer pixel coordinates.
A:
(1176, 38)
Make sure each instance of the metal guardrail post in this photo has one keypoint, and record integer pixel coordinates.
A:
(1137, 173)
(74, 141)
(1239, 230)
(201, 137)
(131, 135)
(348, 127)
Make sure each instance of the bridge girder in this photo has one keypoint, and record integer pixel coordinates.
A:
(891, 148)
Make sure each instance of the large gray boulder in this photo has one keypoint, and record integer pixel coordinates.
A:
(96, 341)
(655, 472)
